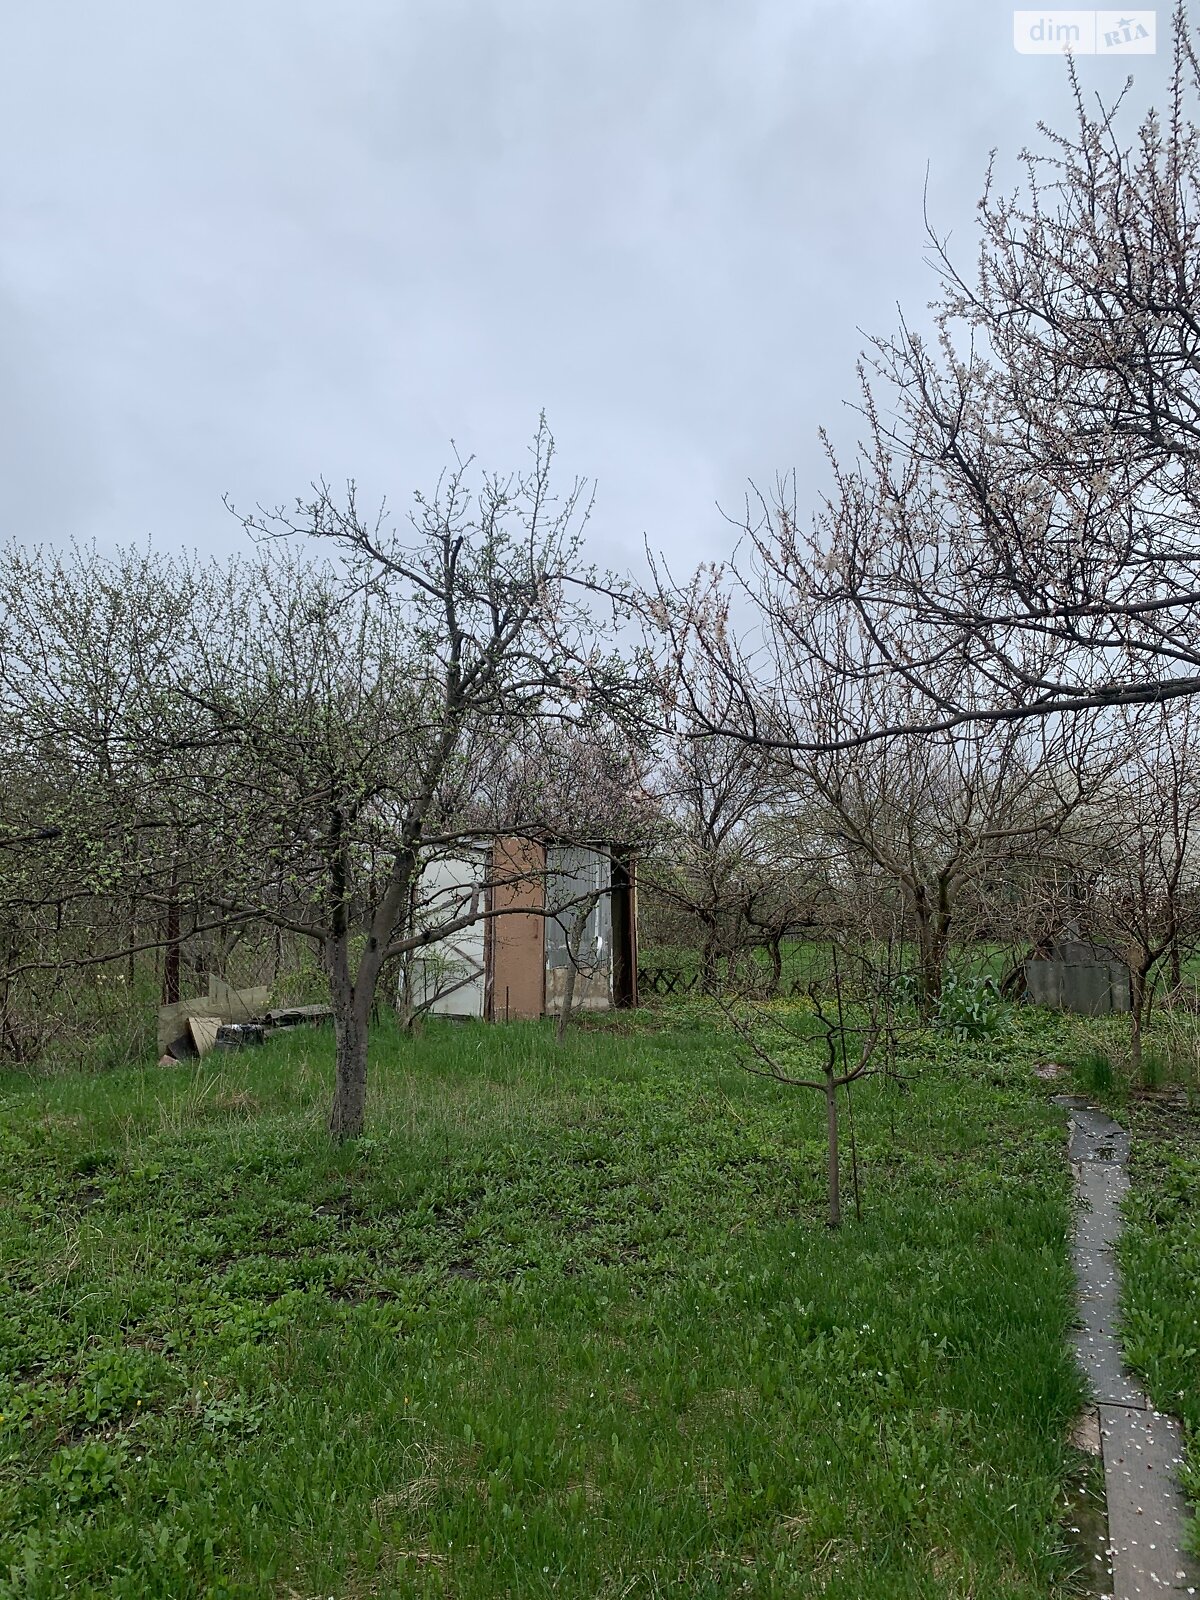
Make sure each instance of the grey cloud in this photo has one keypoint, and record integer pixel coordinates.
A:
(243, 246)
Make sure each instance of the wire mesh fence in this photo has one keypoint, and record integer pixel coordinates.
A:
(672, 974)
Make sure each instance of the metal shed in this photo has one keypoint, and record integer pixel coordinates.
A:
(511, 962)
(1078, 975)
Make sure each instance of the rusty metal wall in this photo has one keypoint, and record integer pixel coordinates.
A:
(516, 941)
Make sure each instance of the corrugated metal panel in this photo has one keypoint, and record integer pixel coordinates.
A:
(573, 873)
(1088, 988)
(576, 874)
(449, 975)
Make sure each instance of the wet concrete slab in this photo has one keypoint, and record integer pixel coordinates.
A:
(1096, 1344)
(1142, 1450)
(1140, 1447)
(1101, 1189)
(1096, 1137)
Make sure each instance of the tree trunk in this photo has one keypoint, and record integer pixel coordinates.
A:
(776, 952)
(348, 1113)
(351, 999)
(731, 977)
(172, 962)
(831, 1124)
(131, 958)
(929, 958)
(933, 940)
(10, 1038)
(173, 946)
(708, 959)
(1137, 1006)
(406, 1009)
(568, 999)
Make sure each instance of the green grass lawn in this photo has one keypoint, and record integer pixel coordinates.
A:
(1160, 1266)
(1160, 1243)
(1159, 1251)
(567, 1322)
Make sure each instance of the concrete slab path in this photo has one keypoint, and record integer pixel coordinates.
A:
(1141, 1448)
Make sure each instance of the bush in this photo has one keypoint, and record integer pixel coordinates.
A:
(969, 1008)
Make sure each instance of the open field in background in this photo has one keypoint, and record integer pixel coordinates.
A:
(806, 960)
(566, 1322)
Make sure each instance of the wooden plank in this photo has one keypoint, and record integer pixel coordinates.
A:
(204, 1033)
(173, 1020)
(517, 946)
(236, 1005)
(298, 1016)
(233, 1005)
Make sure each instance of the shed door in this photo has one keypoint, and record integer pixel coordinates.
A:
(449, 976)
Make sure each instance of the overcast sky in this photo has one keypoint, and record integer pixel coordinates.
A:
(246, 244)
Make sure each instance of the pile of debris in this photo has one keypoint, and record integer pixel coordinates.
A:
(226, 1019)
